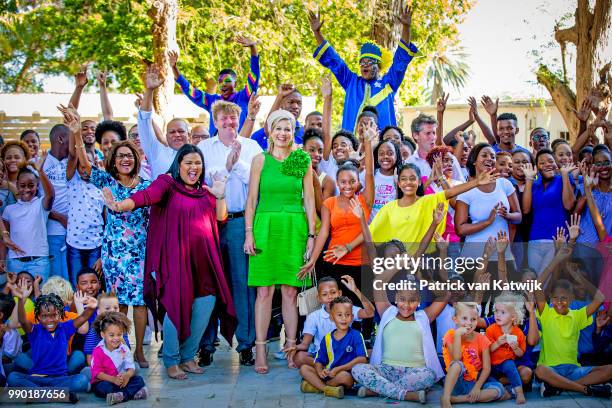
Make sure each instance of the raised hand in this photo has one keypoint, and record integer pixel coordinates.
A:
(101, 77)
(245, 41)
(438, 214)
(573, 227)
(487, 177)
(473, 107)
(315, 21)
(25, 288)
(90, 302)
(79, 298)
(502, 241)
(285, 90)
(602, 319)
(489, 105)
(80, 77)
(218, 187)
(406, 17)
(584, 113)
(490, 246)
(110, 200)
(173, 57)
(560, 239)
(530, 171)
(349, 282)
(567, 169)
(441, 243)
(356, 207)
(326, 86)
(72, 119)
(153, 79)
(38, 164)
(138, 101)
(254, 105)
(441, 104)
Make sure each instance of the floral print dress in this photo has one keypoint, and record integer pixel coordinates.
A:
(124, 242)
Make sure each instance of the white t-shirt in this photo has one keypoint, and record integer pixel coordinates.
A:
(318, 324)
(331, 168)
(480, 205)
(56, 172)
(85, 222)
(28, 222)
(384, 190)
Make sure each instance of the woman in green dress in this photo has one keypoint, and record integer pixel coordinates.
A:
(280, 227)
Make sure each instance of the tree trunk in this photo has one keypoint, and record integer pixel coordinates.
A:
(386, 30)
(164, 14)
(589, 34)
(24, 75)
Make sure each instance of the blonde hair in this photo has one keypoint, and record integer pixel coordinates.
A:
(515, 302)
(225, 107)
(103, 296)
(465, 307)
(276, 117)
(60, 286)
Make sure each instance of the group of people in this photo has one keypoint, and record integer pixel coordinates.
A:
(197, 228)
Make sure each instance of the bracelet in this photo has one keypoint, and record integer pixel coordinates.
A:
(253, 118)
(220, 197)
(311, 236)
(348, 247)
(248, 229)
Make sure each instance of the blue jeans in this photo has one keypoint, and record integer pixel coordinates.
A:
(571, 371)
(79, 259)
(102, 388)
(507, 369)
(235, 260)
(57, 251)
(76, 361)
(464, 387)
(39, 266)
(75, 383)
(176, 353)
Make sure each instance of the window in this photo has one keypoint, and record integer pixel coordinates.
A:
(564, 135)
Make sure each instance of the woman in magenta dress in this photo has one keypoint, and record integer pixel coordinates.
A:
(183, 267)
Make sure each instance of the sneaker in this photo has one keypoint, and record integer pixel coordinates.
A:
(308, 388)
(280, 355)
(336, 392)
(205, 358)
(73, 398)
(599, 390)
(142, 394)
(146, 340)
(547, 390)
(114, 398)
(246, 357)
(362, 392)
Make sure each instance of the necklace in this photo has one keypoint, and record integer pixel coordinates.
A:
(132, 183)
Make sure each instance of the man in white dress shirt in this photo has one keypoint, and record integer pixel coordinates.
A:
(424, 134)
(159, 155)
(231, 155)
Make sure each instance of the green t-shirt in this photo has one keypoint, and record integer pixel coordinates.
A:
(560, 335)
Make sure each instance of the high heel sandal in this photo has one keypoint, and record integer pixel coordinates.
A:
(289, 344)
(261, 369)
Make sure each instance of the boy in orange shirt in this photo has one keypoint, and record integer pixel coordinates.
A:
(508, 341)
(468, 361)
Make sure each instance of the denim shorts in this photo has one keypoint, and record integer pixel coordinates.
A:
(571, 371)
(464, 387)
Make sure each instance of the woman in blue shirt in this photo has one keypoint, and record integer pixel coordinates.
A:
(549, 199)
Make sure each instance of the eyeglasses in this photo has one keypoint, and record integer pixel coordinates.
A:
(366, 62)
(602, 164)
(540, 138)
(122, 156)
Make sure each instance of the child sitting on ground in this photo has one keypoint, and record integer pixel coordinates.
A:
(319, 323)
(508, 341)
(338, 352)
(49, 341)
(10, 341)
(558, 366)
(468, 362)
(107, 302)
(112, 365)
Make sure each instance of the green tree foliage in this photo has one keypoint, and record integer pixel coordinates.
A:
(54, 38)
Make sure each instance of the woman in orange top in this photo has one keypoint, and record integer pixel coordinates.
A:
(344, 256)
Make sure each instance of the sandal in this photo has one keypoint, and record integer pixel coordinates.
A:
(177, 374)
(192, 369)
(286, 349)
(261, 369)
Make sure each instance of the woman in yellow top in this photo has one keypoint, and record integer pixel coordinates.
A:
(409, 217)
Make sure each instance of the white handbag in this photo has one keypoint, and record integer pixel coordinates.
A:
(308, 299)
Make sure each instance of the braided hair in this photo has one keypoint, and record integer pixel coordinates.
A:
(48, 301)
(112, 319)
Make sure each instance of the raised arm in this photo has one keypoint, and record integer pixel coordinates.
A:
(326, 91)
(530, 173)
(49, 190)
(440, 108)
(315, 25)
(194, 94)
(589, 179)
(252, 82)
(406, 20)
(72, 121)
(370, 137)
(107, 109)
(474, 116)
(253, 110)
(567, 195)
(25, 289)
(80, 79)
(491, 108)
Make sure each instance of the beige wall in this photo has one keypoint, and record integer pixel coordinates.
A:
(530, 115)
